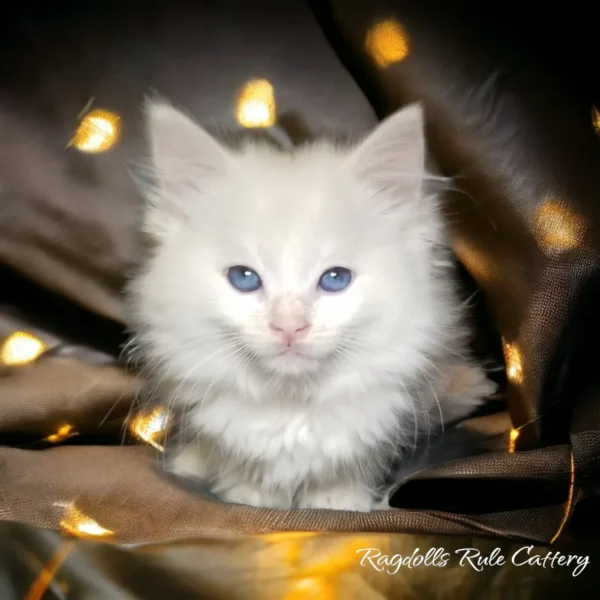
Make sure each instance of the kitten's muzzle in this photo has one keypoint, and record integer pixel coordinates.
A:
(290, 333)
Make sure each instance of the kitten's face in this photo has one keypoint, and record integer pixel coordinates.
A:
(284, 263)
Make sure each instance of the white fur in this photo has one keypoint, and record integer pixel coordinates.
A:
(316, 429)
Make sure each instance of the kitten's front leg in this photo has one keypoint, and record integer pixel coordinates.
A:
(342, 495)
(252, 494)
(461, 388)
(191, 461)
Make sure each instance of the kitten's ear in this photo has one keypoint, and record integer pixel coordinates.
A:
(184, 159)
(392, 157)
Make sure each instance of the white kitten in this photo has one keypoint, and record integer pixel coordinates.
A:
(299, 309)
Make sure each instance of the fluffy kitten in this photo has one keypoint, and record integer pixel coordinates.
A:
(299, 309)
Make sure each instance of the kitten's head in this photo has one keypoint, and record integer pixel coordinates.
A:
(287, 264)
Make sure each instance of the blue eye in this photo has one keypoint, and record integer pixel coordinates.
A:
(335, 279)
(243, 279)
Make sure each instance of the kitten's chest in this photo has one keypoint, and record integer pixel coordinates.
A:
(296, 437)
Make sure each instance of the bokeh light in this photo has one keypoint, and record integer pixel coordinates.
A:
(512, 440)
(312, 563)
(98, 131)
(557, 228)
(313, 588)
(77, 524)
(151, 428)
(64, 432)
(387, 43)
(21, 348)
(514, 362)
(255, 105)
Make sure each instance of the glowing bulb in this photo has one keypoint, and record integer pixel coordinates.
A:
(256, 104)
(78, 524)
(512, 440)
(557, 228)
(64, 433)
(387, 43)
(514, 363)
(21, 348)
(98, 131)
(151, 428)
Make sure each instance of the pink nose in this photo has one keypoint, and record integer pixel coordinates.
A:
(290, 333)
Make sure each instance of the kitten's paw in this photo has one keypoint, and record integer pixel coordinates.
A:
(189, 462)
(339, 497)
(463, 387)
(250, 495)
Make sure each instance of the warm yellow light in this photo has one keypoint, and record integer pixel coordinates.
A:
(21, 348)
(387, 43)
(64, 433)
(596, 119)
(345, 559)
(98, 131)
(313, 588)
(314, 563)
(286, 544)
(557, 228)
(473, 259)
(47, 575)
(78, 524)
(256, 104)
(514, 363)
(512, 440)
(151, 428)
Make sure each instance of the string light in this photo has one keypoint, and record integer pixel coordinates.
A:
(387, 43)
(40, 586)
(514, 362)
(64, 433)
(512, 440)
(557, 228)
(21, 348)
(256, 104)
(569, 502)
(98, 131)
(151, 428)
(77, 524)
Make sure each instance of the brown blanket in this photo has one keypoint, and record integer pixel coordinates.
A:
(67, 222)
